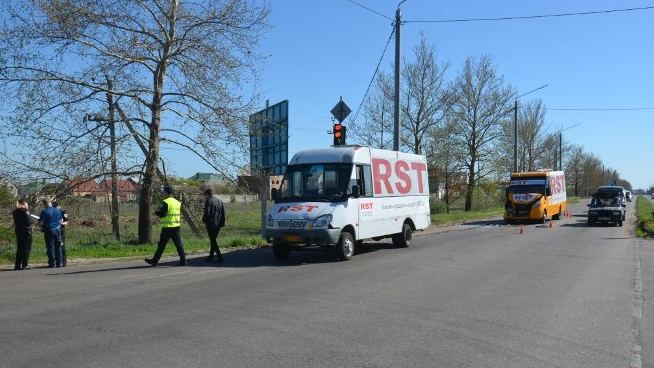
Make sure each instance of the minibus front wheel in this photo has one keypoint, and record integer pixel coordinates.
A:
(281, 250)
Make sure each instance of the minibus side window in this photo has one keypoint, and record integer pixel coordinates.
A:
(364, 180)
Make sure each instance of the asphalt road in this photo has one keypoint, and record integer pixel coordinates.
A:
(486, 296)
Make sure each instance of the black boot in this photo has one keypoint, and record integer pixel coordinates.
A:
(182, 262)
(151, 262)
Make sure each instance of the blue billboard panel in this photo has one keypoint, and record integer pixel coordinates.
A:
(269, 139)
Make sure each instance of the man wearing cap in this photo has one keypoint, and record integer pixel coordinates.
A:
(170, 214)
(50, 220)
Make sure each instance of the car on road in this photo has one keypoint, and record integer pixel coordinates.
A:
(614, 190)
(607, 207)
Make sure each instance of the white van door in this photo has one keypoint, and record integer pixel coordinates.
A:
(366, 203)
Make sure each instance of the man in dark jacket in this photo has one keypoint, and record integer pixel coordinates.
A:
(64, 222)
(23, 228)
(214, 220)
(50, 220)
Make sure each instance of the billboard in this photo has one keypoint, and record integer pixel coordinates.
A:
(269, 139)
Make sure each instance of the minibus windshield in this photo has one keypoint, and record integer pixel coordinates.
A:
(315, 182)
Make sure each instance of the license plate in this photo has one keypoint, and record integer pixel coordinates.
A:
(604, 219)
(292, 238)
(297, 225)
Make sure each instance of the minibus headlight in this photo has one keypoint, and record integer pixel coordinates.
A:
(617, 213)
(322, 222)
(537, 203)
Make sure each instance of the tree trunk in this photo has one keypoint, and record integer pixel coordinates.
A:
(447, 193)
(115, 215)
(470, 186)
(145, 202)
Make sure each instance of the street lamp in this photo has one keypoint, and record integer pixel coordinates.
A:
(561, 144)
(515, 126)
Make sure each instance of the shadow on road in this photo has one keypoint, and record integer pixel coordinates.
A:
(486, 223)
(249, 258)
(100, 270)
(576, 224)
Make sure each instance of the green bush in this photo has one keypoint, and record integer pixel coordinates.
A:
(6, 198)
(7, 235)
(436, 205)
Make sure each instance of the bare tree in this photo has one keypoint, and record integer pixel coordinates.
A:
(482, 104)
(377, 128)
(426, 96)
(574, 167)
(174, 61)
(445, 157)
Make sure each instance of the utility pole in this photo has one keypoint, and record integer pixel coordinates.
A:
(561, 144)
(115, 215)
(515, 136)
(396, 106)
(515, 126)
(560, 151)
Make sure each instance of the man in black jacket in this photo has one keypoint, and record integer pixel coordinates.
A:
(214, 220)
(23, 228)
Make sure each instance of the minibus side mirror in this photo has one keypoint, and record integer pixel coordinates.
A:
(356, 191)
(274, 194)
(548, 192)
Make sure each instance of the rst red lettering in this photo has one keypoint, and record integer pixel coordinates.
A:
(310, 207)
(366, 206)
(401, 167)
(419, 168)
(296, 208)
(380, 177)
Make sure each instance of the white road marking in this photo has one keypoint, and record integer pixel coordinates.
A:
(637, 310)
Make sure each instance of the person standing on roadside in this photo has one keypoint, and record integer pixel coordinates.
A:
(23, 228)
(214, 220)
(64, 222)
(50, 220)
(170, 214)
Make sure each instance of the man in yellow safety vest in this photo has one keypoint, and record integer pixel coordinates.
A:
(170, 214)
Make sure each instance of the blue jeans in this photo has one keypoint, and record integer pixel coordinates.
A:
(53, 246)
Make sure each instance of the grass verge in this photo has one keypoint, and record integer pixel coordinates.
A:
(83, 242)
(455, 217)
(573, 199)
(645, 217)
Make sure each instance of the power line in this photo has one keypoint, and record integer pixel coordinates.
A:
(604, 109)
(356, 114)
(370, 10)
(594, 12)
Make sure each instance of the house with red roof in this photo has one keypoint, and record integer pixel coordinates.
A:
(127, 190)
(83, 188)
